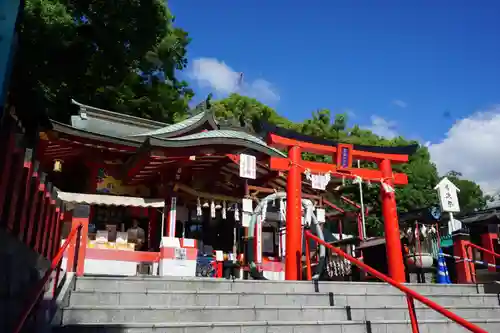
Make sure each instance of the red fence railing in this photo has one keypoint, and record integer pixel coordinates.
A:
(490, 261)
(410, 294)
(37, 293)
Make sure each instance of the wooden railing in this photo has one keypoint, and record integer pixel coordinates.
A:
(37, 293)
(411, 295)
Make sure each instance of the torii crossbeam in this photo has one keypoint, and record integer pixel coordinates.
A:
(343, 155)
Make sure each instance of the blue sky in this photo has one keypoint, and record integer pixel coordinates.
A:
(401, 65)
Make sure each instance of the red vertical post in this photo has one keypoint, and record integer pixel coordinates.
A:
(39, 190)
(293, 244)
(391, 226)
(28, 167)
(81, 215)
(48, 218)
(41, 219)
(487, 241)
(466, 271)
(52, 228)
(57, 234)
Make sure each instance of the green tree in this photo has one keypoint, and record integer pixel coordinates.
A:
(120, 55)
(422, 173)
(470, 197)
(246, 112)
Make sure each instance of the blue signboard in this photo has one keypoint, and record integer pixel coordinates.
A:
(8, 16)
(344, 157)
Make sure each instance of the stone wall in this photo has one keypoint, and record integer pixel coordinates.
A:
(20, 269)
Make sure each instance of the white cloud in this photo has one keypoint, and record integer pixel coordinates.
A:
(472, 147)
(382, 127)
(400, 103)
(223, 80)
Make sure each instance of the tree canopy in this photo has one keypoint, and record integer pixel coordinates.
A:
(422, 173)
(120, 55)
(124, 56)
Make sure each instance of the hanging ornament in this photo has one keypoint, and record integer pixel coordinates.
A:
(318, 181)
(369, 184)
(423, 230)
(212, 209)
(282, 210)
(264, 210)
(198, 207)
(387, 188)
(236, 213)
(224, 208)
(357, 180)
(343, 181)
(308, 217)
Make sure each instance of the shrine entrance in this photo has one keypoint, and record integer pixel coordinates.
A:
(343, 156)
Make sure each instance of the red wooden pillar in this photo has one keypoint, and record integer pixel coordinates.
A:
(49, 210)
(59, 220)
(37, 196)
(466, 271)
(81, 214)
(7, 159)
(391, 226)
(52, 227)
(293, 215)
(40, 219)
(28, 169)
(488, 240)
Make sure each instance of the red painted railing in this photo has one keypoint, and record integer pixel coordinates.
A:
(483, 249)
(38, 291)
(410, 294)
(471, 261)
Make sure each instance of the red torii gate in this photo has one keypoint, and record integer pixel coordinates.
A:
(343, 154)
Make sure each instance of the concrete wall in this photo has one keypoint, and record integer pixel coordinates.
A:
(20, 269)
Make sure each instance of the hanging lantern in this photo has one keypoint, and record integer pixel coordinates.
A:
(58, 165)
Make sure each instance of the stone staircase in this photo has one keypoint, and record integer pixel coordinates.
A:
(176, 305)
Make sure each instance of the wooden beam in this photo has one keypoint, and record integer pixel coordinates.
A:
(282, 164)
(204, 195)
(280, 142)
(268, 190)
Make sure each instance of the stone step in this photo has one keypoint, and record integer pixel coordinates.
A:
(107, 314)
(442, 326)
(228, 298)
(195, 284)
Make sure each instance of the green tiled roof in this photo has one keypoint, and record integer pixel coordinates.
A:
(190, 122)
(222, 137)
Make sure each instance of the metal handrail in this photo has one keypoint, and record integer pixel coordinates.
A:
(411, 294)
(40, 286)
